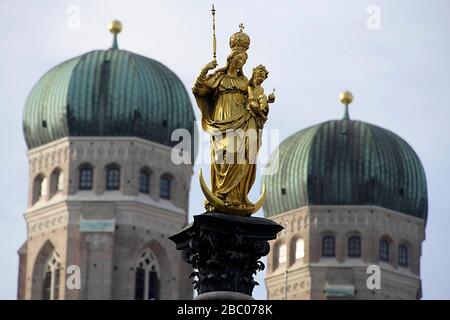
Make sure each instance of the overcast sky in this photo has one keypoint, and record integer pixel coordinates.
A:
(399, 74)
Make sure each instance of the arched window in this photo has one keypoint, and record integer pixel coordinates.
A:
(56, 182)
(60, 182)
(354, 247)
(146, 277)
(144, 181)
(52, 278)
(39, 188)
(384, 250)
(164, 187)
(282, 254)
(328, 247)
(403, 256)
(86, 177)
(112, 177)
(299, 249)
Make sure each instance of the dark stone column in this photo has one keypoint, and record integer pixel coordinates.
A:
(224, 251)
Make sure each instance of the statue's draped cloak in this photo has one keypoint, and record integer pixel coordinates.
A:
(235, 135)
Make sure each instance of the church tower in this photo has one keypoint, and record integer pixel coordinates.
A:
(353, 199)
(104, 193)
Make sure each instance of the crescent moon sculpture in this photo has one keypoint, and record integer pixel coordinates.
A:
(219, 205)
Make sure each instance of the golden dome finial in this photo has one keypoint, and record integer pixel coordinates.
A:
(115, 27)
(346, 98)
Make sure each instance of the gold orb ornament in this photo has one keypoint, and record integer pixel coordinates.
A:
(115, 26)
(346, 97)
(271, 97)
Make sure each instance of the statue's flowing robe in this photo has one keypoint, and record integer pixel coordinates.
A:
(235, 135)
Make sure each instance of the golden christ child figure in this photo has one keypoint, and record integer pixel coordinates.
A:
(258, 102)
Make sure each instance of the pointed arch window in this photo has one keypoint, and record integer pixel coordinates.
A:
(147, 276)
(52, 278)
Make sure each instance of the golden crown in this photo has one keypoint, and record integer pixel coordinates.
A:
(240, 41)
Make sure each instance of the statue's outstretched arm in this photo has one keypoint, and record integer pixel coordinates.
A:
(199, 87)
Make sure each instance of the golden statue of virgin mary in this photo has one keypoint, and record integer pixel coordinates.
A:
(234, 110)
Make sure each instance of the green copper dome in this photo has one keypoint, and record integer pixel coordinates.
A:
(346, 162)
(107, 93)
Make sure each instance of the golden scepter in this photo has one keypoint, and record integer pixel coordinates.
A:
(213, 11)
